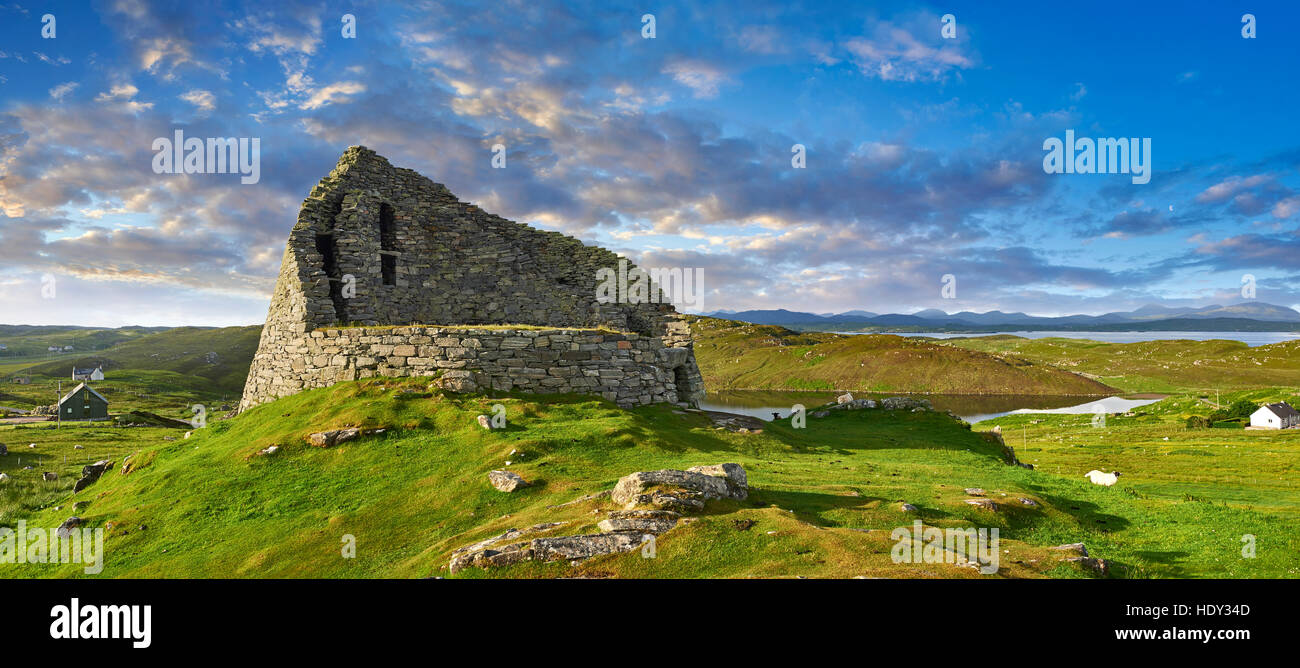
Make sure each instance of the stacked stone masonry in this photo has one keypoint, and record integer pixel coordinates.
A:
(378, 248)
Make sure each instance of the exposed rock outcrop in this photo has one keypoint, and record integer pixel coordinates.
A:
(332, 437)
(723, 481)
(67, 526)
(506, 481)
(90, 473)
(905, 403)
(639, 521)
(622, 530)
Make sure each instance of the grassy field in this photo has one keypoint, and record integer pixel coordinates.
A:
(221, 356)
(165, 372)
(741, 356)
(1162, 460)
(823, 502)
(31, 341)
(824, 498)
(1153, 366)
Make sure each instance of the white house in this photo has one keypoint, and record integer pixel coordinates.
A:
(88, 374)
(1275, 416)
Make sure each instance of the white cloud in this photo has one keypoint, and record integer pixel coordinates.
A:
(701, 77)
(118, 92)
(893, 53)
(283, 39)
(204, 100)
(1229, 187)
(61, 60)
(62, 90)
(1287, 207)
(335, 93)
(121, 96)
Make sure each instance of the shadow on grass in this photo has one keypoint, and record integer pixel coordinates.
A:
(809, 506)
(1087, 514)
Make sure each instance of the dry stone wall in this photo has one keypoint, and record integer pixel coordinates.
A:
(396, 254)
(626, 368)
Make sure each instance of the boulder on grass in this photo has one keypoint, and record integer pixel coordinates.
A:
(639, 521)
(506, 481)
(732, 472)
(1076, 549)
(325, 439)
(67, 526)
(723, 481)
(1098, 566)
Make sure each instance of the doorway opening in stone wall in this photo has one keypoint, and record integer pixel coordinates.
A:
(683, 384)
(329, 263)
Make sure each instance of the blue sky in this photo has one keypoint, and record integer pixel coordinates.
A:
(924, 154)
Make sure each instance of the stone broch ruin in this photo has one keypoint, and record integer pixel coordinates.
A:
(388, 274)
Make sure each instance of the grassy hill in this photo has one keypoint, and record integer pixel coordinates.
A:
(221, 355)
(1154, 366)
(738, 355)
(164, 372)
(823, 499)
(24, 341)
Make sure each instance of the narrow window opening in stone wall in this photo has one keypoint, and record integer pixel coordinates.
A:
(329, 254)
(683, 383)
(387, 228)
(388, 243)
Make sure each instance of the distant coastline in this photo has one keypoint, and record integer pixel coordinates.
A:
(1251, 339)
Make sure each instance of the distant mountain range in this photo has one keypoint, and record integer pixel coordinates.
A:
(1249, 316)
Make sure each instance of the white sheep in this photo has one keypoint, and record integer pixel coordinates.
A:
(997, 429)
(1099, 478)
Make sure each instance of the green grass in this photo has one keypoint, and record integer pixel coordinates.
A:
(741, 356)
(1160, 459)
(183, 350)
(1153, 366)
(211, 508)
(164, 372)
(26, 493)
(163, 392)
(30, 342)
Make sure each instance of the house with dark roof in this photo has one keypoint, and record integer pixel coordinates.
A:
(88, 374)
(1275, 416)
(83, 403)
